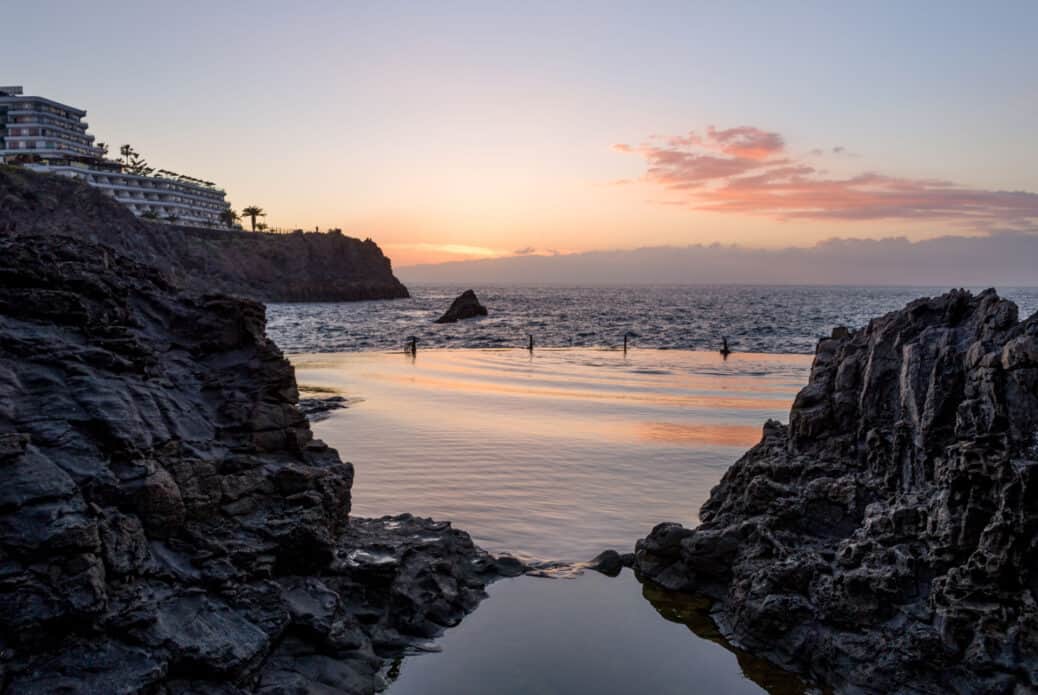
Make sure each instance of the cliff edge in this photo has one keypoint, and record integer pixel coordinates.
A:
(885, 540)
(297, 267)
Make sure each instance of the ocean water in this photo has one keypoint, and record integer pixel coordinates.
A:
(554, 457)
(756, 319)
(557, 455)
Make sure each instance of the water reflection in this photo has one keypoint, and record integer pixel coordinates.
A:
(694, 613)
(557, 455)
(592, 634)
(676, 433)
(554, 455)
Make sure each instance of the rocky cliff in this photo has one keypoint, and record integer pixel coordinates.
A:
(884, 541)
(168, 524)
(298, 267)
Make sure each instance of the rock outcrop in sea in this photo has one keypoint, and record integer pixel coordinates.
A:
(885, 540)
(296, 267)
(168, 523)
(465, 306)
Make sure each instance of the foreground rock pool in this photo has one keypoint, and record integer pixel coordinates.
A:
(591, 634)
(554, 458)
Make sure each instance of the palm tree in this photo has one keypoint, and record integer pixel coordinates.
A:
(252, 212)
(229, 217)
(149, 215)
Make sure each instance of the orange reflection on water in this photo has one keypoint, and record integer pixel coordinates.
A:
(648, 397)
(553, 455)
(699, 433)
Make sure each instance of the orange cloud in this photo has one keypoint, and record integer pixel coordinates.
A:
(747, 170)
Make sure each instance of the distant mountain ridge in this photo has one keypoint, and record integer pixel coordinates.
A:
(1002, 259)
(296, 267)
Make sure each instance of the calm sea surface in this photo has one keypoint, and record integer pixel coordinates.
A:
(756, 319)
(554, 456)
(558, 455)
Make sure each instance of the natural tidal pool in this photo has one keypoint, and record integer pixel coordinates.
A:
(556, 456)
(593, 634)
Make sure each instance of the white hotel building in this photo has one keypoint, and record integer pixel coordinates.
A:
(44, 135)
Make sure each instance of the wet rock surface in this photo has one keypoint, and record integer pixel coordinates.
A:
(296, 267)
(168, 523)
(317, 408)
(610, 562)
(884, 541)
(465, 306)
(694, 612)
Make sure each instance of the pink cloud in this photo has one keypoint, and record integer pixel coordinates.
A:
(746, 170)
(743, 142)
(747, 142)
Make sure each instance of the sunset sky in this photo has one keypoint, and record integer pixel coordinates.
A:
(455, 130)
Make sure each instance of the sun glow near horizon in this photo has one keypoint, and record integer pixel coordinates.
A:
(475, 131)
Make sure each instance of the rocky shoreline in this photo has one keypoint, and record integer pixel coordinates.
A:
(885, 540)
(168, 523)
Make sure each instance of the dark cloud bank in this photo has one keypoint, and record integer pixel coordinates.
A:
(1000, 259)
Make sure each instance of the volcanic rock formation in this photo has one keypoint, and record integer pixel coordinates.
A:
(465, 306)
(168, 523)
(884, 541)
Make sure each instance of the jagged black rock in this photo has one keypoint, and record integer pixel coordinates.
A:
(884, 541)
